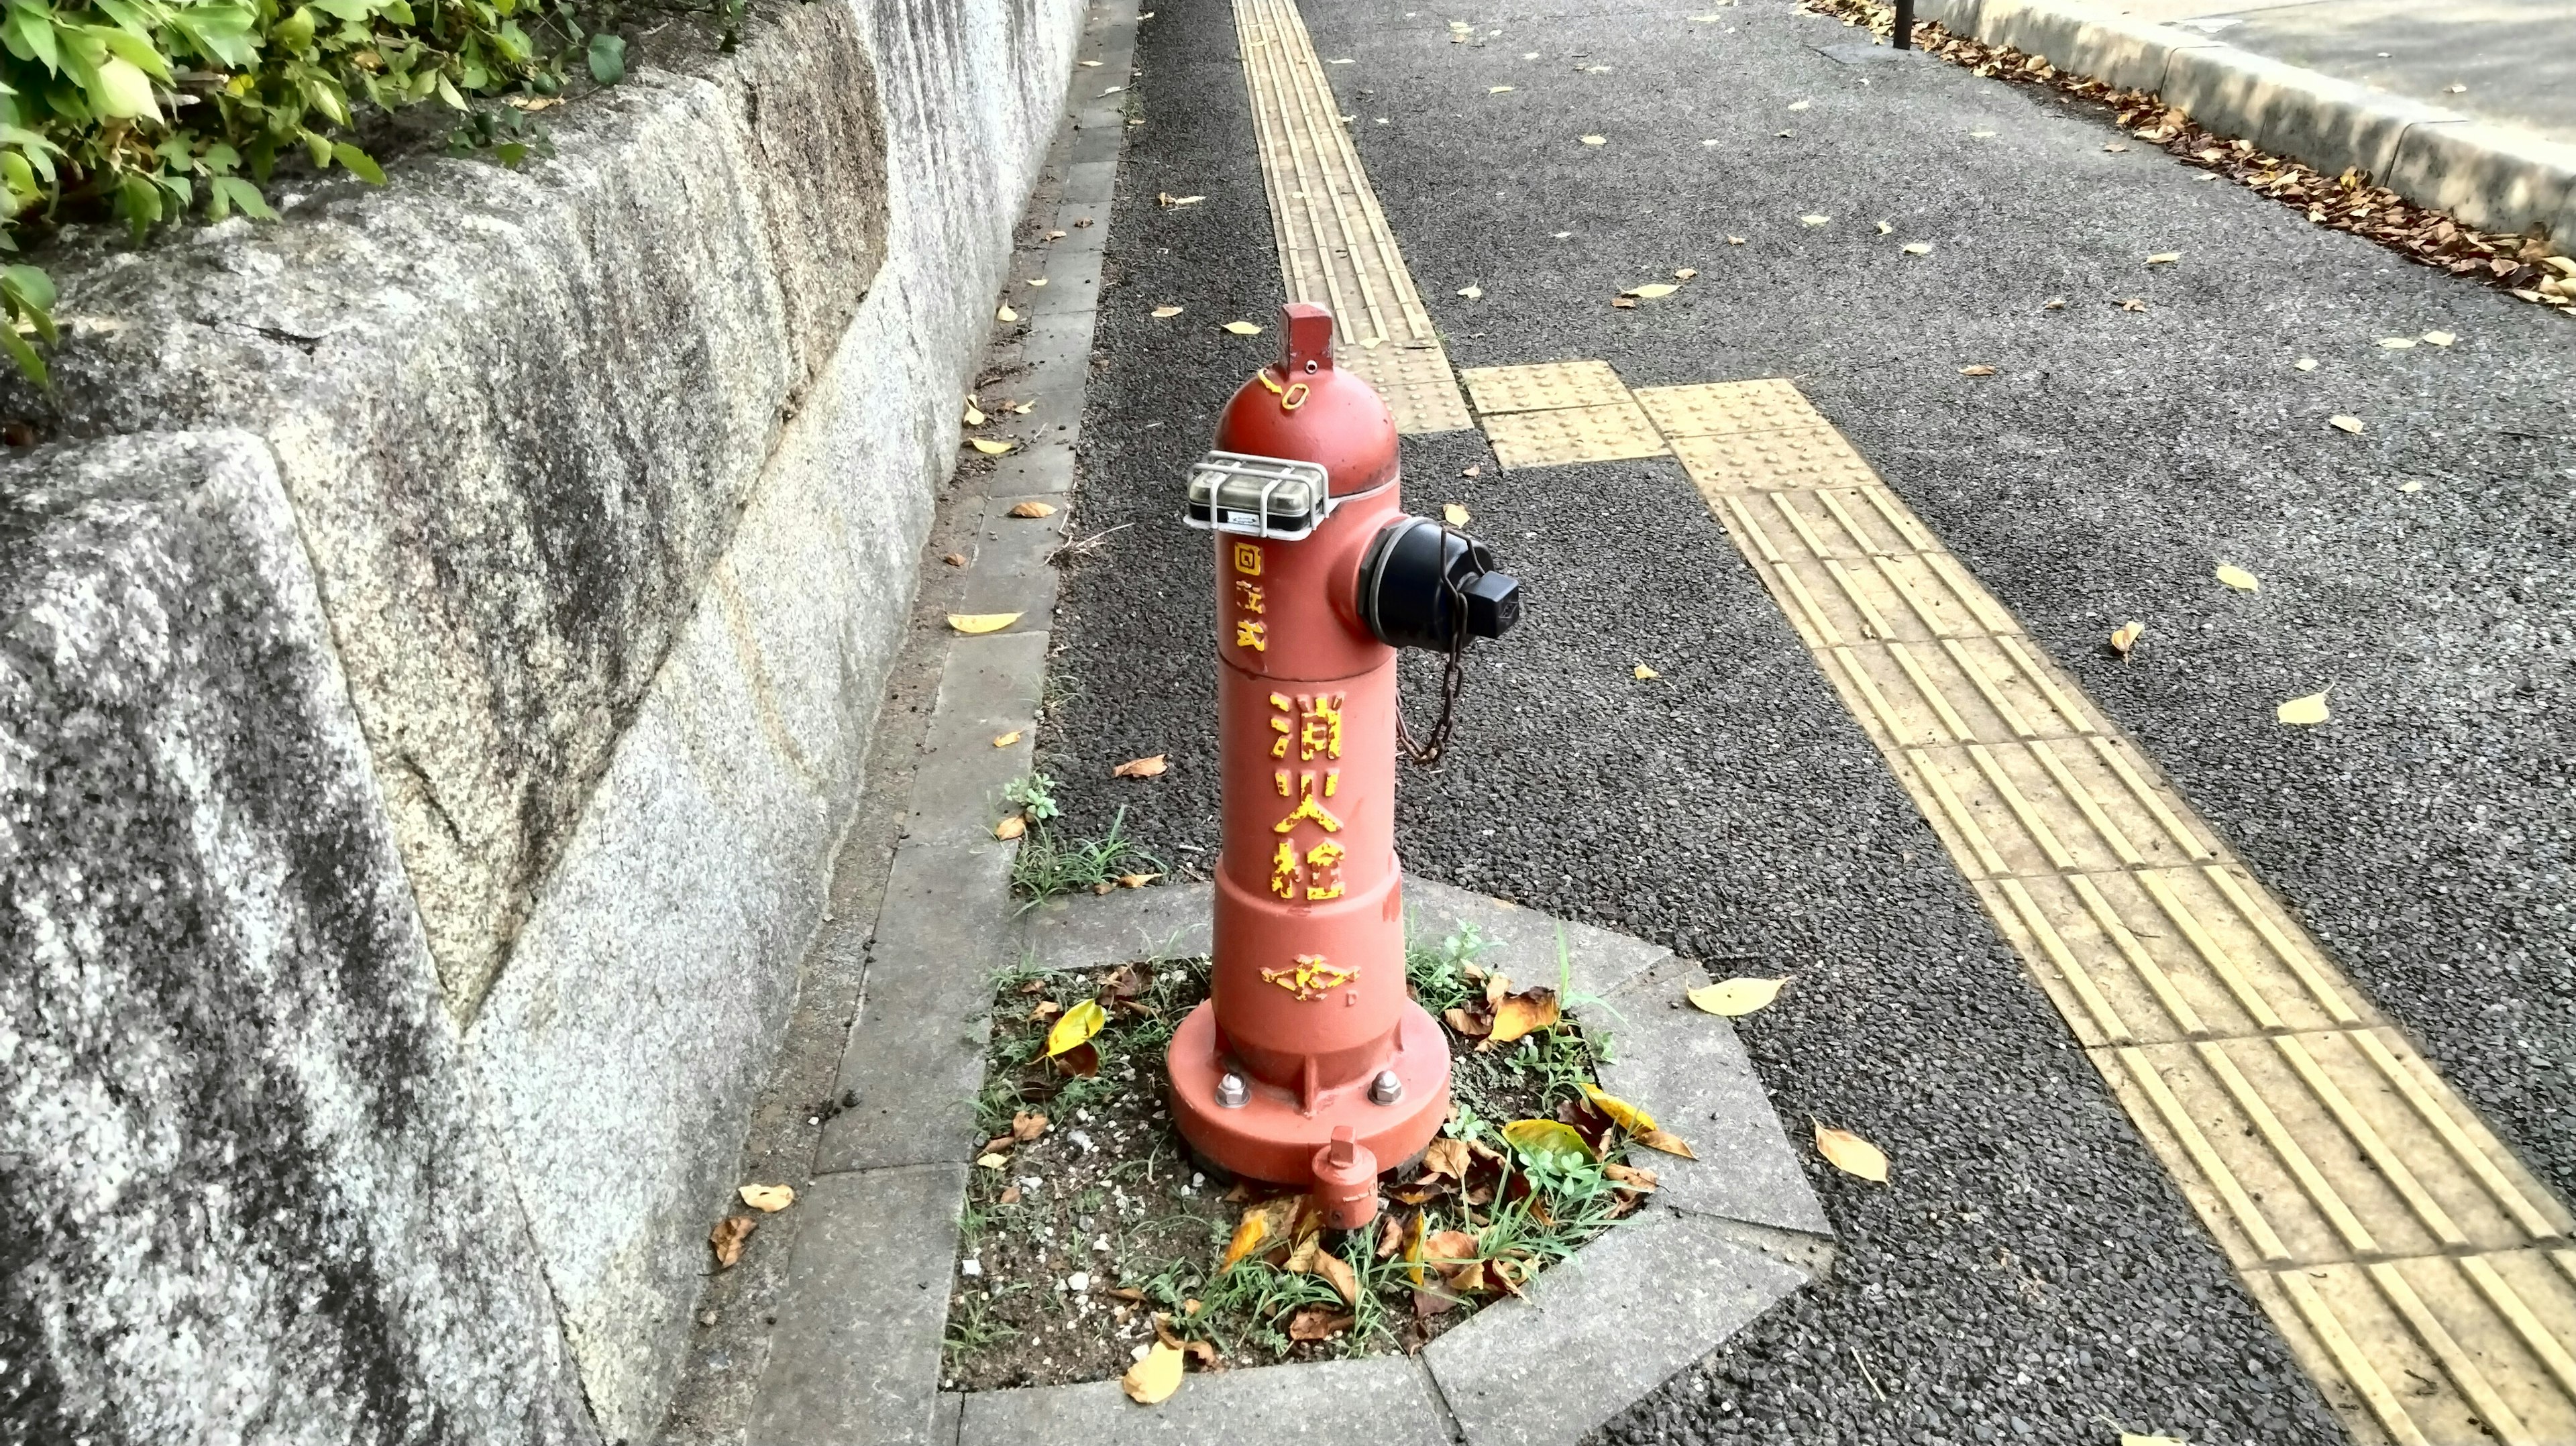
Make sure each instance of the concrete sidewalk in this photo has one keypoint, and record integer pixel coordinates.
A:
(2505, 62)
(2366, 85)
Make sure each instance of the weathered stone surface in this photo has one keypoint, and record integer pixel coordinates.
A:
(1687, 1067)
(2293, 111)
(2490, 176)
(856, 1356)
(1595, 961)
(519, 413)
(249, 1187)
(1600, 1329)
(1377, 1399)
(1091, 931)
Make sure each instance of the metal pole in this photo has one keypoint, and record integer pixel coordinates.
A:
(1905, 24)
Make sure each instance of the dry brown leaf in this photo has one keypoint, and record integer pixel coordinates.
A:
(768, 1199)
(1301, 1255)
(1519, 1014)
(1338, 1274)
(1316, 1323)
(1140, 767)
(1033, 509)
(727, 1238)
(1009, 1196)
(1045, 1010)
(1630, 1176)
(955, 559)
(1447, 1156)
(1136, 881)
(1668, 1142)
(1011, 828)
(1851, 1154)
(1390, 1237)
(2126, 636)
(1979, 370)
(1027, 1125)
(1624, 303)
(1468, 1022)
(1151, 1381)
(1453, 514)
(1735, 998)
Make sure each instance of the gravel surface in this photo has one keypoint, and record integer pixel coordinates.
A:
(2031, 1273)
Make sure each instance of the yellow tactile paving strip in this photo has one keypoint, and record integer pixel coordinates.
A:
(2422, 1276)
(1334, 246)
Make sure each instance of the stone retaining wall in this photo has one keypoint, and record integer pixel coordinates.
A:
(439, 641)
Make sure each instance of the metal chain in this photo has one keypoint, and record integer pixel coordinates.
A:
(1453, 672)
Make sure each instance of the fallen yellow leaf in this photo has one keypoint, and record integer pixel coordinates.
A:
(989, 447)
(2305, 364)
(1596, 140)
(1979, 370)
(1735, 998)
(1546, 1141)
(1338, 1274)
(1498, 90)
(2302, 712)
(1263, 1223)
(1520, 1014)
(1668, 1142)
(2238, 578)
(2125, 637)
(2439, 338)
(1811, 220)
(1651, 290)
(1455, 515)
(2398, 343)
(1005, 314)
(1687, 272)
(1471, 292)
(1005, 740)
(1033, 509)
(1151, 1381)
(995, 1161)
(1011, 828)
(768, 1199)
(974, 417)
(1243, 328)
(2164, 258)
(981, 622)
(1644, 672)
(1077, 1027)
(1734, 240)
(1623, 1114)
(1136, 881)
(1918, 248)
(2344, 424)
(1140, 767)
(1166, 311)
(1851, 1154)
(1037, 281)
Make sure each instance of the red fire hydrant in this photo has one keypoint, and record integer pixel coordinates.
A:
(1311, 1064)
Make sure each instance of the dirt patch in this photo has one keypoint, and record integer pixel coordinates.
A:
(1090, 1235)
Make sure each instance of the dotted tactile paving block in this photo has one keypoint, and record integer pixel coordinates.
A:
(1792, 459)
(1717, 408)
(1544, 386)
(1416, 382)
(1563, 435)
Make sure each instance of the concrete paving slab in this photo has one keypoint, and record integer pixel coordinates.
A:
(1043, 467)
(1601, 1329)
(916, 1055)
(1094, 931)
(2490, 176)
(1378, 1399)
(856, 1354)
(1091, 183)
(1688, 1069)
(1011, 570)
(990, 689)
(1525, 940)
(2292, 111)
(2509, 58)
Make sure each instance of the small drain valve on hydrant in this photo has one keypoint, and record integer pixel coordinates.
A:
(1311, 1064)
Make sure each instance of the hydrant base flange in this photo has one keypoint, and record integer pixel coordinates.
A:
(1271, 1137)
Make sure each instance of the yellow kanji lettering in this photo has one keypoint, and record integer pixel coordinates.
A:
(1247, 559)
(1324, 870)
(1283, 871)
(1307, 808)
(1253, 635)
(1286, 731)
(1312, 978)
(1319, 725)
(1246, 596)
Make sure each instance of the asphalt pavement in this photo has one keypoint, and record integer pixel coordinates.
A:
(2031, 1272)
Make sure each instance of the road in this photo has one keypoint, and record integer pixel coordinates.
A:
(2033, 1272)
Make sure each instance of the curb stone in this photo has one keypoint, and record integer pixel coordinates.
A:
(2492, 177)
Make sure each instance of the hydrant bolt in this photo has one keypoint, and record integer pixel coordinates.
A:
(1231, 1092)
(1387, 1088)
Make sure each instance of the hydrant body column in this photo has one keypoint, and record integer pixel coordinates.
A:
(1311, 1063)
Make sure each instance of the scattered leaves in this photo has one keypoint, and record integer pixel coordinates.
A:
(2344, 423)
(2238, 578)
(727, 1238)
(1161, 312)
(1621, 1113)
(1033, 509)
(2125, 637)
(990, 447)
(1151, 1381)
(1149, 767)
(981, 622)
(768, 1199)
(1735, 998)
(2304, 712)
(1076, 1028)
(1851, 1154)
(1243, 328)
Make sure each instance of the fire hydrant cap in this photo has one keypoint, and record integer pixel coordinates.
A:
(1304, 408)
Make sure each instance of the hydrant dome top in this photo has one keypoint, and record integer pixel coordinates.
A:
(1304, 408)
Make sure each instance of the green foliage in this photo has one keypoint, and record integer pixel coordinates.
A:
(1048, 865)
(153, 112)
(1437, 972)
(1033, 795)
